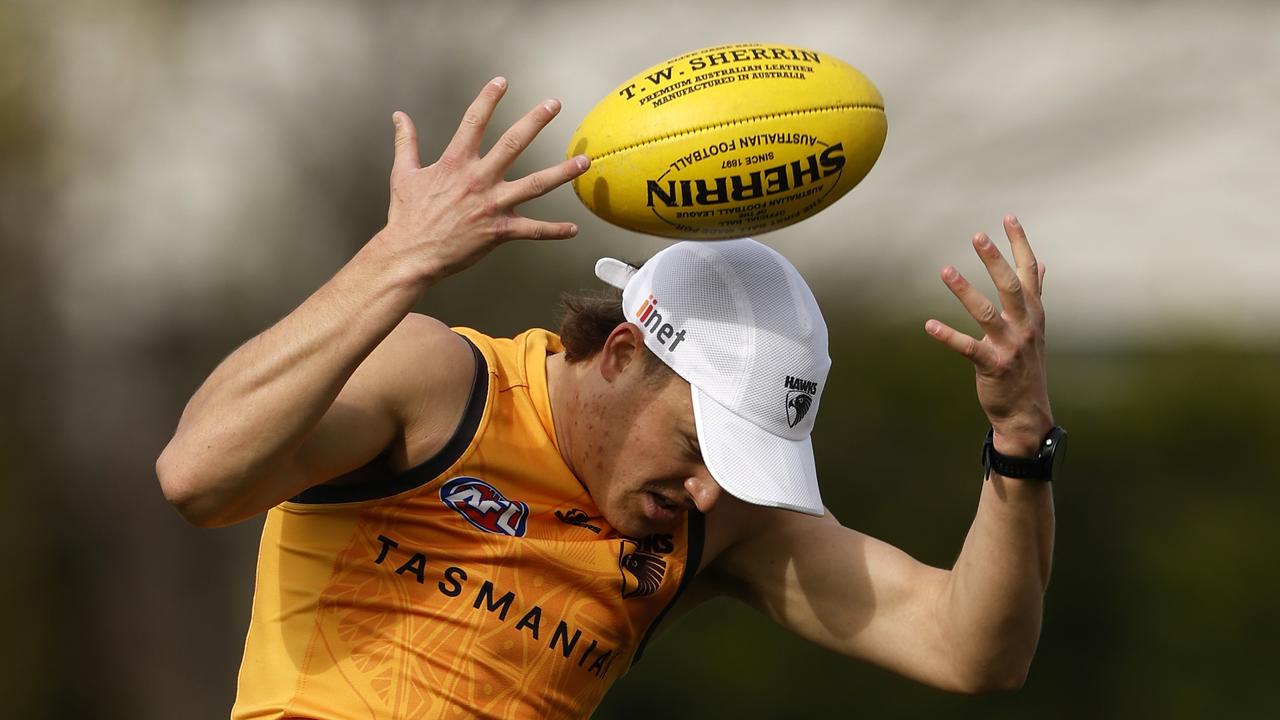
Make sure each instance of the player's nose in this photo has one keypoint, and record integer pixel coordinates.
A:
(703, 490)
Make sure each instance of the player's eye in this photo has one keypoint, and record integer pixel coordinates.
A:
(692, 449)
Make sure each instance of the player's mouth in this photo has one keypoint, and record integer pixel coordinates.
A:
(661, 509)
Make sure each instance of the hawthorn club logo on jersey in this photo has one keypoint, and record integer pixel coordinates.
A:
(642, 565)
(484, 506)
(799, 398)
(650, 317)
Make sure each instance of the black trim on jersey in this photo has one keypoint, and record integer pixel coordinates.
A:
(692, 561)
(374, 482)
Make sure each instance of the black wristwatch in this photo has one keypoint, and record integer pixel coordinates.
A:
(1041, 467)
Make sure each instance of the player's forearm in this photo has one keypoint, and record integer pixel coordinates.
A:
(256, 408)
(994, 599)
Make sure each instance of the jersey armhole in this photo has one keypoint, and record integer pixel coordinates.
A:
(693, 559)
(388, 485)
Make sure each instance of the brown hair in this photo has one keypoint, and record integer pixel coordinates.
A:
(586, 320)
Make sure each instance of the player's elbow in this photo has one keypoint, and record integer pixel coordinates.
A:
(190, 494)
(992, 679)
(995, 683)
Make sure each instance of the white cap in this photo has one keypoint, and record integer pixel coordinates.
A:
(736, 320)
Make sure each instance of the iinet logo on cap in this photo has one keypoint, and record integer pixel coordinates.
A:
(651, 318)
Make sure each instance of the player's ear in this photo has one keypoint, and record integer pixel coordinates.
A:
(621, 349)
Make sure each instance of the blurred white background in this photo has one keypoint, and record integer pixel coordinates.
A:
(1136, 140)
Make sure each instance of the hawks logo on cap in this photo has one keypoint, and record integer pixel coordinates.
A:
(484, 506)
(799, 399)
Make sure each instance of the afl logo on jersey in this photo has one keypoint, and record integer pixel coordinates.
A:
(484, 506)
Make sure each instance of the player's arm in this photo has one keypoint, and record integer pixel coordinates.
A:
(330, 386)
(968, 629)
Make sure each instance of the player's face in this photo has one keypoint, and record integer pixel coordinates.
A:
(646, 471)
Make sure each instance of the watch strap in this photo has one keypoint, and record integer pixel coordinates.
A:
(1039, 467)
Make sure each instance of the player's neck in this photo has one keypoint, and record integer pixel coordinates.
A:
(562, 394)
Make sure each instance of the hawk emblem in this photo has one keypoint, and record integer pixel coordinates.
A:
(798, 405)
(642, 572)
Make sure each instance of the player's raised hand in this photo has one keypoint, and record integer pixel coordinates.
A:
(446, 216)
(1009, 359)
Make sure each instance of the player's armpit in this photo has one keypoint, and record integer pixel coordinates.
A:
(845, 591)
(403, 400)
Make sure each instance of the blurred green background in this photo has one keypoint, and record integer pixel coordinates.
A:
(175, 176)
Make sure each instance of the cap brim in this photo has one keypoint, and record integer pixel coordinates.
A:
(755, 465)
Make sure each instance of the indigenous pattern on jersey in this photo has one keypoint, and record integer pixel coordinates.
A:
(482, 583)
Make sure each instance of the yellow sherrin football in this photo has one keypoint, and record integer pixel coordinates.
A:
(729, 142)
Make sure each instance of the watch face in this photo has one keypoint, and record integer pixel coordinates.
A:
(1055, 445)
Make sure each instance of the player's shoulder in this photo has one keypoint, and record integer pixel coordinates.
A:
(423, 331)
(423, 342)
(421, 357)
(424, 371)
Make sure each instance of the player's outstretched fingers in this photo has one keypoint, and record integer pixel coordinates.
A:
(981, 354)
(519, 136)
(406, 157)
(466, 141)
(544, 181)
(1007, 282)
(1023, 257)
(523, 228)
(977, 304)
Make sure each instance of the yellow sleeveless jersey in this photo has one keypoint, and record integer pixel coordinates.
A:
(482, 583)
